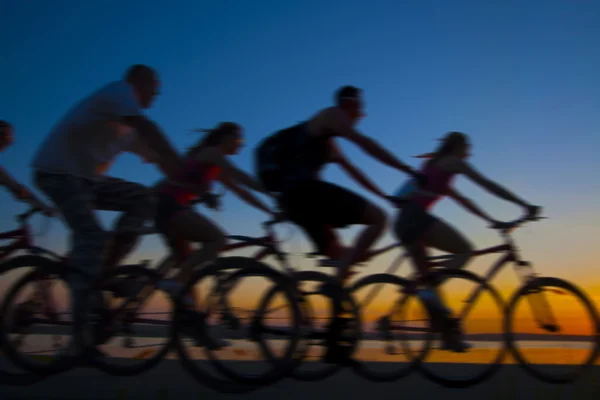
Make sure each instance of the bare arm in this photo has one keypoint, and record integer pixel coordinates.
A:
(20, 191)
(244, 194)
(233, 172)
(469, 205)
(168, 159)
(143, 151)
(355, 173)
(7, 180)
(341, 126)
(492, 187)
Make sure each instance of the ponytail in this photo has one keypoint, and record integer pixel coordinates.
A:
(213, 137)
(449, 143)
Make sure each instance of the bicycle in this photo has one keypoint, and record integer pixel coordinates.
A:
(531, 284)
(134, 274)
(21, 253)
(269, 247)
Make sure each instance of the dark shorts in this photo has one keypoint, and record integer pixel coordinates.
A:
(320, 207)
(412, 223)
(166, 208)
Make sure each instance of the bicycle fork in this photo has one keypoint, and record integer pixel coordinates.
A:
(540, 308)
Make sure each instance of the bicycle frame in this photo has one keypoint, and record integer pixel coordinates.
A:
(510, 255)
(269, 246)
(22, 239)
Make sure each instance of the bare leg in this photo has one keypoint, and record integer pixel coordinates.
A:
(137, 204)
(374, 218)
(443, 237)
(191, 226)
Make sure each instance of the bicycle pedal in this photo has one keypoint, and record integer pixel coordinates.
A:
(390, 349)
(327, 263)
(551, 328)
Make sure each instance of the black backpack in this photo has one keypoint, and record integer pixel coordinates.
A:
(276, 154)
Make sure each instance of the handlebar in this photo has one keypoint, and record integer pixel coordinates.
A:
(506, 227)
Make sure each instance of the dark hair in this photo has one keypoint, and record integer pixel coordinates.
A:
(448, 145)
(4, 125)
(214, 136)
(139, 72)
(346, 93)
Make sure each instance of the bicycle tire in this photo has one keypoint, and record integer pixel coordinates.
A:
(328, 369)
(58, 364)
(108, 364)
(403, 284)
(215, 381)
(492, 368)
(247, 267)
(536, 283)
(306, 313)
(24, 378)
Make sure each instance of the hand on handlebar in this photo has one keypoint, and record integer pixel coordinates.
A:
(48, 211)
(533, 211)
(396, 201)
(501, 225)
(532, 214)
(212, 201)
(44, 209)
(21, 193)
(278, 216)
(420, 178)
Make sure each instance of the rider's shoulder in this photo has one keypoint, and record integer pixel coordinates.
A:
(327, 120)
(119, 88)
(210, 154)
(335, 114)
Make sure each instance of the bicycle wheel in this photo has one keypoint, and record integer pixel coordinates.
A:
(142, 335)
(216, 312)
(568, 358)
(388, 327)
(266, 312)
(10, 270)
(18, 318)
(310, 363)
(482, 327)
(288, 316)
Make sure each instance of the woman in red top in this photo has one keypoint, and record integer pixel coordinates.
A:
(418, 229)
(178, 222)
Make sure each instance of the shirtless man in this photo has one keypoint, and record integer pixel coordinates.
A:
(320, 207)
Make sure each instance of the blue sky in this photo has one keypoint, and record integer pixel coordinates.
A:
(520, 77)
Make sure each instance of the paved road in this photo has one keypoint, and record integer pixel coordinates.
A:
(170, 381)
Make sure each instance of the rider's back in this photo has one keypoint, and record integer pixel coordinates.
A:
(195, 176)
(439, 180)
(90, 134)
(292, 155)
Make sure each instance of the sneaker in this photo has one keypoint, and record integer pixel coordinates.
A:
(452, 337)
(194, 327)
(337, 353)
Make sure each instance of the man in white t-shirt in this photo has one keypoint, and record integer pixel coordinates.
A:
(69, 168)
